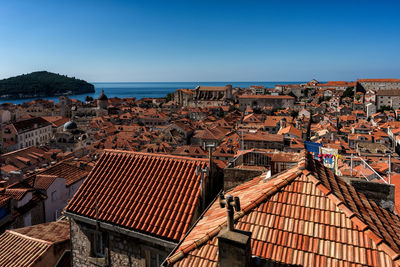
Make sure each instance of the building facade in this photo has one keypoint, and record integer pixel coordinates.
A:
(29, 132)
(388, 98)
(378, 84)
(203, 96)
(261, 101)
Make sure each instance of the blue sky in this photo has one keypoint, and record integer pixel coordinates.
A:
(217, 40)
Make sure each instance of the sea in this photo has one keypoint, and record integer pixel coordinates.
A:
(146, 89)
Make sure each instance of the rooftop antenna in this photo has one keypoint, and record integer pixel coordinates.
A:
(230, 203)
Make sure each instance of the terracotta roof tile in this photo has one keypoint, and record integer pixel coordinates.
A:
(17, 193)
(26, 246)
(44, 181)
(152, 193)
(310, 219)
(267, 96)
(67, 171)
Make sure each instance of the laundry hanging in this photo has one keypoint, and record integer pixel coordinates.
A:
(312, 147)
(330, 158)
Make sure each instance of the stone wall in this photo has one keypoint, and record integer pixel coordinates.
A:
(382, 194)
(120, 249)
(234, 177)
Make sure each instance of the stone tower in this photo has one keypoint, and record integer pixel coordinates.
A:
(102, 101)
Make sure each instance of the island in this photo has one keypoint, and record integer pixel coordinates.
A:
(42, 84)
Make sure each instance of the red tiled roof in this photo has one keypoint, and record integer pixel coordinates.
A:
(267, 96)
(193, 151)
(16, 250)
(291, 130)
(395, 180)
(30, 124)
(263, 137)
(53, 232)
(4, 199)
(213, 88)
(17, 193)
(44, 181)
(303, 218)
(336, 83)
(272, 121)
(151, 193)
(67, 171)
(57, 121)
(8, 168)
(26, 246)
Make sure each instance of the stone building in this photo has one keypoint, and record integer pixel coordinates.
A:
(102, 104)
(390, 98)
(378, 84)
(29, 132)
(65, 106)
(261, 101)
(71, 138)
(263, 140)
(134, 208)
(203, 96)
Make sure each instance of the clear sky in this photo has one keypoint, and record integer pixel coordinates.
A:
(203, 40)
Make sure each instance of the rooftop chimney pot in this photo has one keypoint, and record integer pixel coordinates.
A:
(234, 245)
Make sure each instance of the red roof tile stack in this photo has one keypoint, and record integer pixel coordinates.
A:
(152, 193)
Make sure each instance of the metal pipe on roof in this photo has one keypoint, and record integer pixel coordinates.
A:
(366, 164)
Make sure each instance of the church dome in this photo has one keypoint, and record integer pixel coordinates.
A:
(70, 126)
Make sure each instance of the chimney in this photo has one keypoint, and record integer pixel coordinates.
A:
(203, 191)
(282, 123)
(210, 149)
(234, 245)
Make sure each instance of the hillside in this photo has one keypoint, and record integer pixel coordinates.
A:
(42, 84)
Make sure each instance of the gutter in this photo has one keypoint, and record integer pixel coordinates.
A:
(120, 230)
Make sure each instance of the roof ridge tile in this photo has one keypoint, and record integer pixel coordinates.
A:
(148, 154)
(30, 238)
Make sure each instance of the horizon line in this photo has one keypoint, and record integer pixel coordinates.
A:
(193, 81)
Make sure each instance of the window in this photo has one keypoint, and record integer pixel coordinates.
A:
(96, 239)
(154, 258)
